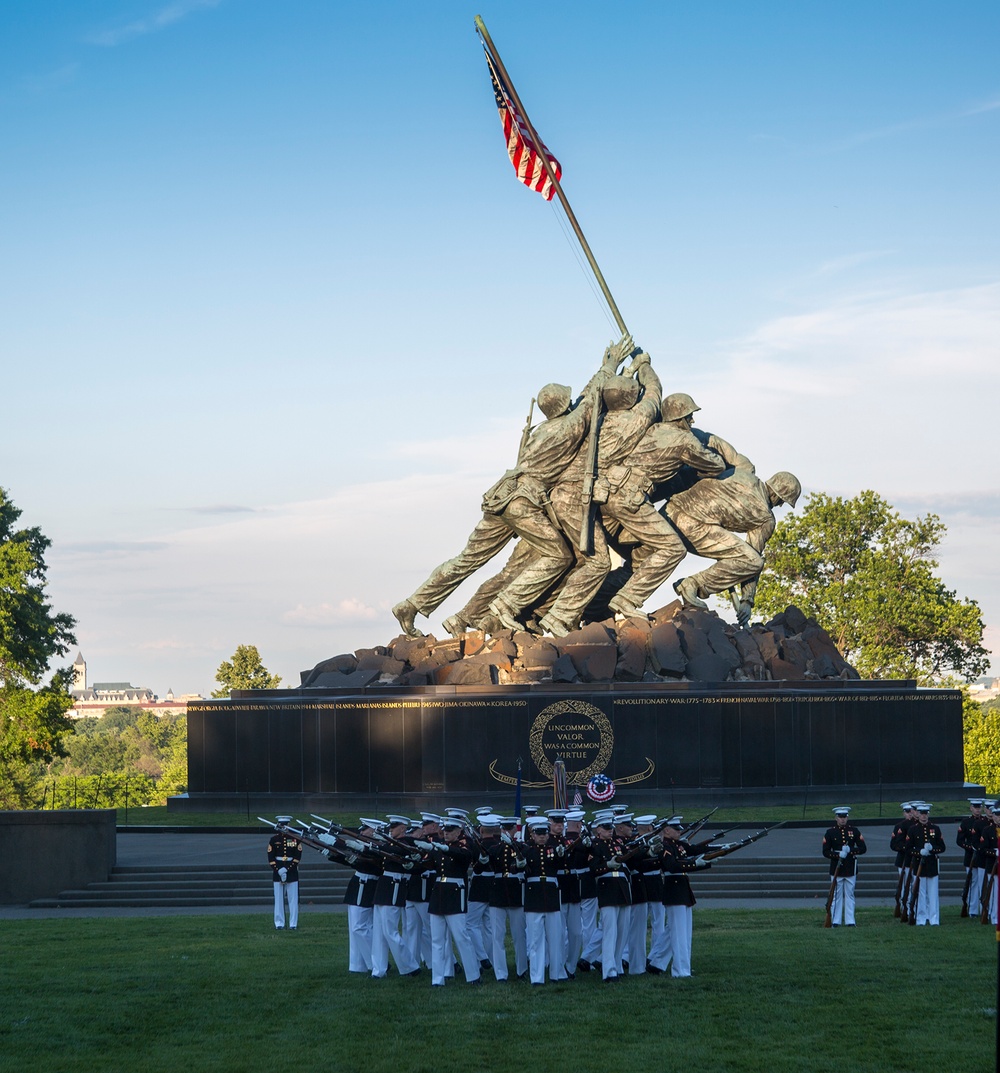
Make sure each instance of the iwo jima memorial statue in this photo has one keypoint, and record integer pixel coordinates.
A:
(552, 672)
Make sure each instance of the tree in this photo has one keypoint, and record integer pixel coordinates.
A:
(866, 574)
(32, 717)
(244, 671)
(128, 750)
(982, 744)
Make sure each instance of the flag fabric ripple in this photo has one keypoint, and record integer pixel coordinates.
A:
(523, 153)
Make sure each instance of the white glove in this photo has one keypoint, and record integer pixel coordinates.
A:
(560, 850)
(283, 873)
(700, 862)
(324, 853)
(353, 843)
(426, 846)
(614, 864)
(845, 851)
(927, 850)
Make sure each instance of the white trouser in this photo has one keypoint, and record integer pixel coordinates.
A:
(546, 945)
(614, 932)
(417, 932)
(291, 890)
(927, 901)
(976, 891)
(659, 949)
(842, 910)
(572, 916)
(993, 903)
(498, 928)
(359, 930)
(637, 938)
(386, 940)
(479, 929)
(680, 923)
(591, 930)
(443, 930)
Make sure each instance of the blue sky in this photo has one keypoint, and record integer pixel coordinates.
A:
(272, 303)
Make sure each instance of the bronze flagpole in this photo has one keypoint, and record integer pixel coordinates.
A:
(588, 478)
(570, 215)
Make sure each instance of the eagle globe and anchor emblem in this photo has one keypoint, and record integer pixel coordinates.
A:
(580, 735)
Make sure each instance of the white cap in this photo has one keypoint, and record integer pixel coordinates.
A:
(842, 810)
(646, 820)
(394, 820)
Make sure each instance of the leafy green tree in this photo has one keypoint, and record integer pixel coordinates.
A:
(32, 716)
(244, 671)
(125, 743)
(982, 744)
(866, 574)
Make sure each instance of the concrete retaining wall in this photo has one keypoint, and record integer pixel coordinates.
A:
(44, 853)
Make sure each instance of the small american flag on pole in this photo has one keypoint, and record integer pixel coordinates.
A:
(523, 152)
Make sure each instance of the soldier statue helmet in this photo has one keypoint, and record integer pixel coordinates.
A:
(678, 405)
(620, 393)
(554, 400)
(785, 486)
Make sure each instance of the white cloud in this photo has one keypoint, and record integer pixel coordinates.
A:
(159, 20)
(350, 609)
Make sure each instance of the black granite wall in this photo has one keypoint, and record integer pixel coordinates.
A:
(459, 740)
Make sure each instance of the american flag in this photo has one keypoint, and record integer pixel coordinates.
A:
(523, 152)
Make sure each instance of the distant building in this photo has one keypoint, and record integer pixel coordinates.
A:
(985, 689)
(103, 695)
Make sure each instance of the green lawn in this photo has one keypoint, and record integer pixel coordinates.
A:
(773, 992)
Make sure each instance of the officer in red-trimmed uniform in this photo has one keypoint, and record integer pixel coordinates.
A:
(678, 859)
(842, 845)
(614, 896)
(924, 844)
(448, 907)
(544, 862)
(284, 851)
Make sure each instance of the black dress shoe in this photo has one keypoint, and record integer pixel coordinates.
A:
(416, 972)
(653, 970)
(485, 964)
(583, 965)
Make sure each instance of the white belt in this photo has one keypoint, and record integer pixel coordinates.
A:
(364, 877)
(543, 879)
(450, 879)
(394, 875)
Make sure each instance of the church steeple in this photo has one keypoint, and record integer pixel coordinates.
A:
(79, 673)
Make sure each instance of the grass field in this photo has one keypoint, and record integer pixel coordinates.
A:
(773, 992)
(158, 815)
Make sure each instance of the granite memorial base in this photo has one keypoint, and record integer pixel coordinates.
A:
(428, 746)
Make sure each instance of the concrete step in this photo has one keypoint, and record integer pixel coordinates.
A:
(242, 885)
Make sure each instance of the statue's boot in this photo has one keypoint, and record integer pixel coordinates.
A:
(624, 608)
(455, 626)
(556, 626)
(405, 612)
(687, 590)
(506, 616)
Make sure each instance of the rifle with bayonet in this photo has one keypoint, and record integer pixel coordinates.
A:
(622, 350)
(731, 847)
(897, 909)
(828, 919)
(689, 830)
(965, 892)
(916, 892)
(375, 838)
(984, 913)
(904, 905)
